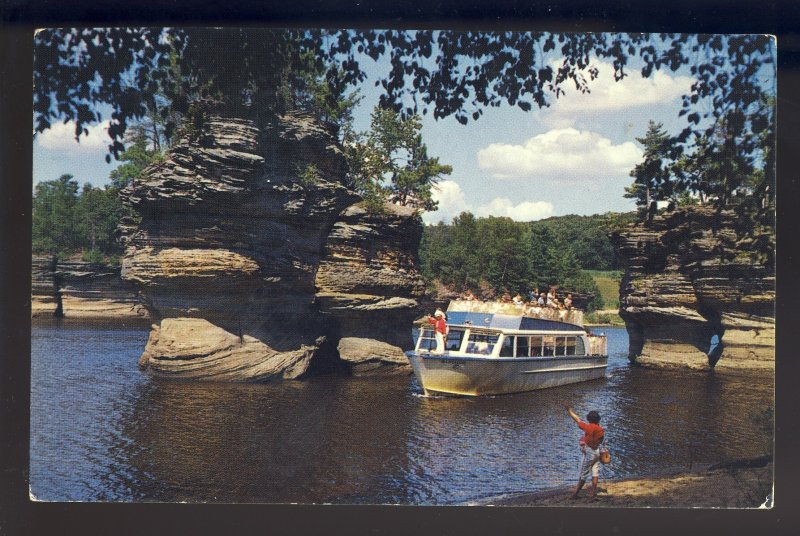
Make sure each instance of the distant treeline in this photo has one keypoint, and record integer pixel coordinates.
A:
(68, 220)
(493, 256)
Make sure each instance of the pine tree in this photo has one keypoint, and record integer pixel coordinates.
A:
(55, 226)
(652, 176)
(391, 162)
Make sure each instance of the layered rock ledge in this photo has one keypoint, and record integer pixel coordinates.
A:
(369, 286)
(698, 291)
(73, 289)
(251, 270)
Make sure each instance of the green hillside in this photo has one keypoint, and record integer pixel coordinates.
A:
(607, 282)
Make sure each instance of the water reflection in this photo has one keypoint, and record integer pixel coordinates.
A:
(675, 421)
(316, 441)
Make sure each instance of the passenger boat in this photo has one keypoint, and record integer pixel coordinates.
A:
(497, 348)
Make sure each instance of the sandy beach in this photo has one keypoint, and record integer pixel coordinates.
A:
(740, 484)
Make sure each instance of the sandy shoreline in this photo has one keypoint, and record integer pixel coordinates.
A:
(740, 484)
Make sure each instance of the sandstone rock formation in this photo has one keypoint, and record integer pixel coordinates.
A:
(692, 279)
(234, 240)
(369, 286)
(78, 290)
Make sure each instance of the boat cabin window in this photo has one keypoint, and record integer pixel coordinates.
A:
(537, 346)
(580, 349)
(549, 346)
(454, 338)
(523, 347)
(481, 343)
(427, 340)
(507, 349)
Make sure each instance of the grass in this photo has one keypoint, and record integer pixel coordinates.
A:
(608, 284)
(603, 319)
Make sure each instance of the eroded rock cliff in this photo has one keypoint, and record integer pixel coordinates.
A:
(72, 289)
(229, 250)
(369, 286)
(698, 291)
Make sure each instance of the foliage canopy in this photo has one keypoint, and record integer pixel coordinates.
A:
(391, 162)
(500, 255)
(439, 72)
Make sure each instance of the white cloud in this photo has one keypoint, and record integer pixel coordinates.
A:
(561, 154)
(452, 203)
(525, 211)
(61, 137)
(607, 95)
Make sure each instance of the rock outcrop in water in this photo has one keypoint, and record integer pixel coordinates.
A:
(369, 286)
(234, 242)
(73, 289)
(694, 279)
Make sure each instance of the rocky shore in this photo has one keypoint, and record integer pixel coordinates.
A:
(742, 484)
(699, 291)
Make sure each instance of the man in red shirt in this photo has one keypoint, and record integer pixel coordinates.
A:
(439, 329)
(593, 435)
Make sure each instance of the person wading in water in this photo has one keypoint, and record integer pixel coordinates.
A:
(590, 447)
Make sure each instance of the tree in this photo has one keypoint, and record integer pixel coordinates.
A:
(652, 176)
(98, 212)
(391, 161)
(465, 269)
(504, 254)
(584, 236)
(542, 257)
(323, 93)
(451, 253)
(66, 222)
(54, 219)
(440, 72)
(139, 154)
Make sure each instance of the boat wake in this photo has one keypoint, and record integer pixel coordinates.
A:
(423, 395)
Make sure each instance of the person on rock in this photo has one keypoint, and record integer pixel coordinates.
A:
(593, 435)
(439, 330)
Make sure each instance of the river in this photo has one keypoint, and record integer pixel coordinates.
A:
(101, 430)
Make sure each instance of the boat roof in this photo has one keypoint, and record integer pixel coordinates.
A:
(508, 322)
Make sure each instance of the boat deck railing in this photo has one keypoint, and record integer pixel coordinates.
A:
(598, 345)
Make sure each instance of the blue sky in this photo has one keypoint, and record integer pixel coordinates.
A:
(571, 158)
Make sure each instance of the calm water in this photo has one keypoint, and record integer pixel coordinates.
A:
(101, 430)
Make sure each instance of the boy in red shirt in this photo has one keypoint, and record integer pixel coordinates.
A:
(593, 435)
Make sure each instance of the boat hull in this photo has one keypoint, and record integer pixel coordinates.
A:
(476, 376)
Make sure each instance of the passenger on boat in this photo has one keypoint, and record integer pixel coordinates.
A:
(439, 330)
(590, 447)
(517, 300)
(541, 299)
(568, 301)
(533, 296)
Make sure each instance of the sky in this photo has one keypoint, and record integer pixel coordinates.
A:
(573, 157)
